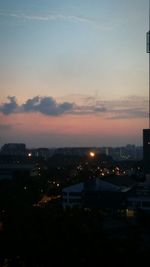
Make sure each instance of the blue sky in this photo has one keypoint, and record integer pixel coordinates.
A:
(74, 50)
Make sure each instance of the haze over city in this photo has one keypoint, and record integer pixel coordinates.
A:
(73, 73)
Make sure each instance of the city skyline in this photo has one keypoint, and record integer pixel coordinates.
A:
(73, 73)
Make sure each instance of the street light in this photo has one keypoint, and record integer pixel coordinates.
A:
(92, 154)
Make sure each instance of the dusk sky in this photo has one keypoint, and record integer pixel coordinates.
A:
(73, 72)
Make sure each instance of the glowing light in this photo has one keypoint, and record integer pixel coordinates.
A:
(92, 154)
(130, 213)
(29, 155)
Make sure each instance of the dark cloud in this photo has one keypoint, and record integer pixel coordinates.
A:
(44, 105)
(10, 107)
(30, 104)
(47, 106)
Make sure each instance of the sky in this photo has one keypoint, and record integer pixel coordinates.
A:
(73, 72)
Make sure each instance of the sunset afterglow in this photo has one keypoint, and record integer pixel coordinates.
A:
(73, 73)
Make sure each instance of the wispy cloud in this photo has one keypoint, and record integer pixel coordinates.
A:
(57, 17)
(10, 106)
(128, 108)
(44, 105)
(124, 108)
(131, 113)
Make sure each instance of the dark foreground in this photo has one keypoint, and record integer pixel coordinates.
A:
(49, 236)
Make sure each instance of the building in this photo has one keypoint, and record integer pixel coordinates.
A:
(109, 193)
(12, 170)
(41, 152)
(139, 198)
(13, 149)
(146, 151)
(72, 195)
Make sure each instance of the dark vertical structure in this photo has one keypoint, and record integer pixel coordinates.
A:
(146, 132)
(146, 150)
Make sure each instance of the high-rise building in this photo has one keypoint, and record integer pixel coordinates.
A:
(146, 150)
(146, 132)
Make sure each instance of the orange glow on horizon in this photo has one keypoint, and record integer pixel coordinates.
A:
(74, 127)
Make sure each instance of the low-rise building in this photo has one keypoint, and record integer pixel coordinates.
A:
(139, 198)
(73, 195)
(99, 193)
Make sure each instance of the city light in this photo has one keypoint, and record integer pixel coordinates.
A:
(92, 154)
(29, 155)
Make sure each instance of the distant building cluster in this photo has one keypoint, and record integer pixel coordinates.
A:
(114, 184)
(16, 157)
(129, 152)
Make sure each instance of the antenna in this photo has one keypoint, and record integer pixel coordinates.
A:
(148, 51)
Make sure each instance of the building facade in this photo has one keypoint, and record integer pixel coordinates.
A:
(146, 151)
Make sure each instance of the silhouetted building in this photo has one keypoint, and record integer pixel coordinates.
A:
(12, 170)
(41, 152)
(139, 198)
(108, 193)
(72, 195)
(16, 149)
(148, 42)
(146, 150)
